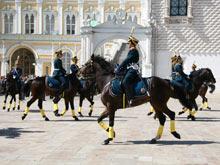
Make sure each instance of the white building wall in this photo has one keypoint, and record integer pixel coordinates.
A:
(198, 42)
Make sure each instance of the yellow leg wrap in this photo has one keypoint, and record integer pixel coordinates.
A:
(111, 132)
(19, 102)
(151, 109)
(55, 107)
(64, 111)
(193, 113)
(160, 131)
(9, 107)
(205, 105)
(123, 100)
(73, 112)
(172, 126)
(14, 104)
(91, 107)
(80, 109)
(185, 109)
(103, 125)
(4, 104)
(42, 112)
(26, 110)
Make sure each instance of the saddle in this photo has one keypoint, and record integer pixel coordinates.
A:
(54, 83)
(140, 88)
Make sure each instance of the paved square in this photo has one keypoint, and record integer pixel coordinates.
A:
(65, 141)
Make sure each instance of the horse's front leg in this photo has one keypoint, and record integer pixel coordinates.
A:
(72, 109)
(14, 98)
(42, 111)
(66, 107)
(55, 106)
(5, 101)
(90, 99)
(193, 111)
(10, 103)
(81, 98)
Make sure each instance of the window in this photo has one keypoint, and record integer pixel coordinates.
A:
(66, 61)
(29, 24)
(49, 24)
(70, 24)
(8, 23)
(178, 7)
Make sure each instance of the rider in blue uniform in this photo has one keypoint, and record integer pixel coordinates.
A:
(193, 70)
(131, 75)
(173, 61)
(17, 73)
(181, 79)
(59, 72)
(74, 67)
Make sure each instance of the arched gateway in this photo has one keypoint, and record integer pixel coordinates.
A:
(93, 37)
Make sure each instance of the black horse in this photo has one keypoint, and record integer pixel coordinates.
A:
(39, 89)
(160, 90)
(11, 89)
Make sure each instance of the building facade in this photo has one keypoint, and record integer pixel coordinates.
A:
(35, 29)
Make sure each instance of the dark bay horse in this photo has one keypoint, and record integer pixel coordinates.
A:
(39, 89)
(159, 89)
(87, 91)
(11, 89)
(199, 78)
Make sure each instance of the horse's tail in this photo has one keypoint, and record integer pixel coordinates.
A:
(27, 87)
(181, 96)
(212, 86)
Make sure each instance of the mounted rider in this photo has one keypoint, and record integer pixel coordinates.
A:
(17, 73)
(127, 66)
(173, 62)
(59, 72)
(193, 70)
(74, 67)
(181, 79)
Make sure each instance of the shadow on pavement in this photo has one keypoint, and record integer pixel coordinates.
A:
(165, 142)
(200, 119)
(15, 132)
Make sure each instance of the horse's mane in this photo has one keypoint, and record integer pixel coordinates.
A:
(197, 72)
(108, 66)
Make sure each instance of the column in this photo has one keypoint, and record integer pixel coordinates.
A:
(18, 16)
(83, 50)
(80, 10)
(167, 9)
(3, 23)
(101, 7)
(39, 12)
(38, 67)
(145, 12)
(60, 16)
(122, 4)
(190, 9)
(4, 61)
(146, 65)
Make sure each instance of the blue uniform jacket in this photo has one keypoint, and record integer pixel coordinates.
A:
(58, 68)
(17, 72)
(132, 57)
(74, 69)
(180, 75)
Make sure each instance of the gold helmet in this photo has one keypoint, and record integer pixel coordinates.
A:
(132, 39)
(58, 53)
(74, 58)
(194, 66)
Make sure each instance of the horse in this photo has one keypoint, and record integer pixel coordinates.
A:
(87, 91)
(11, 89)
(199, 78)
(40, 88)
(159, 92)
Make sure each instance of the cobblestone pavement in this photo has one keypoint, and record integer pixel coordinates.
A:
(65, 141)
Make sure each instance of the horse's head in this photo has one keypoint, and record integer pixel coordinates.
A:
(207, 76)
(96, 64)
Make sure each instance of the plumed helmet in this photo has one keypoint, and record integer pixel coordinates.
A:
(194, 66)
(58, 52)
(132, 39)
(74, 58)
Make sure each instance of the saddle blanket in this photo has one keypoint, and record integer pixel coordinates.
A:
(140, 88)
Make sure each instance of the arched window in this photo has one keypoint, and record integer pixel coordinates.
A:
(66, 61)
(29, 24)
(8, 23)
(70, 24)
(178, 7)
(49, 24)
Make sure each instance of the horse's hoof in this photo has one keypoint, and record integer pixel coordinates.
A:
(8, 109)
(18, 108)
(200, 109)
(3, 108)
(13, 108)
(189, 116)
(56, 113)
(181, 112)
(150, 113)
(46, 119)
(176, 135)
(90, 113)
(76, 118)
(193, 118)
(80, 114)
(209, 108)
(106, 142)
(153, 141)
(23, 117)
